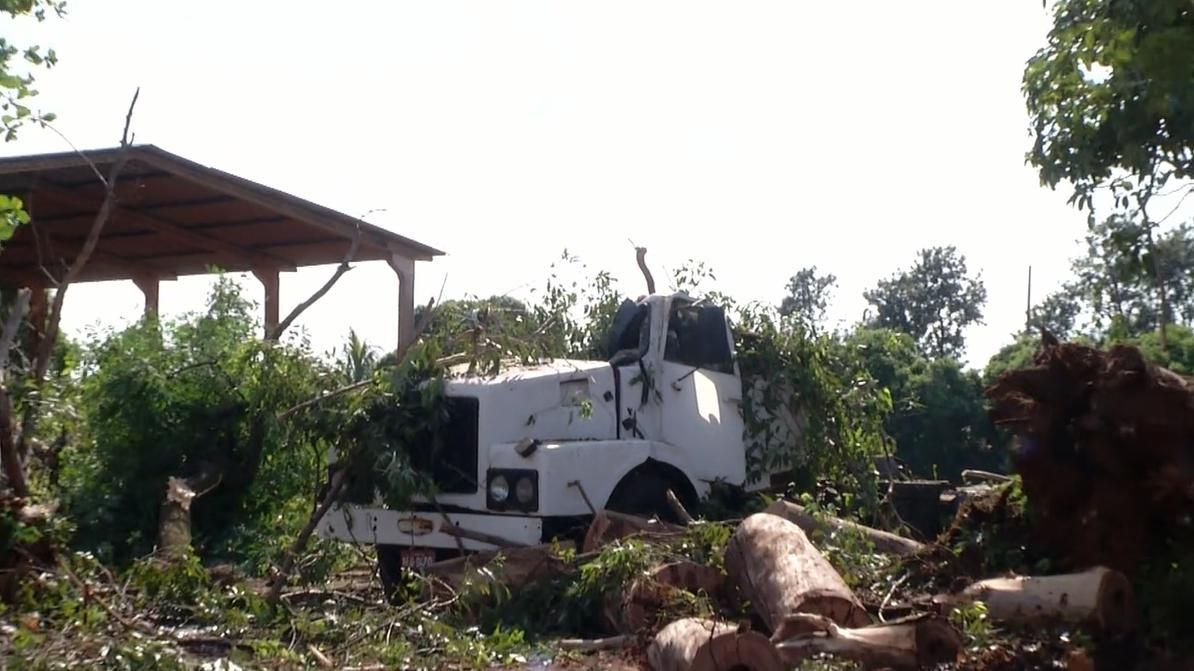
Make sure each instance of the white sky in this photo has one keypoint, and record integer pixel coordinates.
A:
(758, 137)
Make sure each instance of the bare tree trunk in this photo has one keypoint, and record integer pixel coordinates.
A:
(14, 468)
(46, 346)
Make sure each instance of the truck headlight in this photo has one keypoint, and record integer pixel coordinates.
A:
(499, 489)
(524, 491)
(513, 489)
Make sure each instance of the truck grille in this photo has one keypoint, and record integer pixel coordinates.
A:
(453, 464)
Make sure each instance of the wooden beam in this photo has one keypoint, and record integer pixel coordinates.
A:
(67, 253)
(149, 285)
(170, 229)
(404, 268)
(281, 203)
(271, 284)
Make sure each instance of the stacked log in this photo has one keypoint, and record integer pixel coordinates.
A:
(773, 564)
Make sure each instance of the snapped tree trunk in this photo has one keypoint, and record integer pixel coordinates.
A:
(174, 515)
(914, 643)
(1098, 597)
(883, 541)
(772, 563)
(694, 644)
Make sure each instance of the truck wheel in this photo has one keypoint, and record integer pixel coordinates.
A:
(389, 570)
(644, 495)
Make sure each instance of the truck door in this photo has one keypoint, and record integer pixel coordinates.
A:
(701, 389)
(632, 344)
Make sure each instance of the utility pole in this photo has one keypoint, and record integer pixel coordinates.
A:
(1028, 306)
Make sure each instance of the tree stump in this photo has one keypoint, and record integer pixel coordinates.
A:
(694, 644)
(772, 563)
(643, 605)
(174, 520)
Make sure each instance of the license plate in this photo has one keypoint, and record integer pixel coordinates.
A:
(417, 559)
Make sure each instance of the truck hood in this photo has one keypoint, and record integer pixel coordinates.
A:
(560, 369)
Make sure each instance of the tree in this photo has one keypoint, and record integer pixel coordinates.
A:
(16, 89)
(1131, 288)
(1112, 109)
(808, 297)
(938, 414)
(934, 302)
(1058, 313)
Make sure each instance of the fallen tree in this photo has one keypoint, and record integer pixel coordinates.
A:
(884, 541)
(773, 565)
(1105, 451)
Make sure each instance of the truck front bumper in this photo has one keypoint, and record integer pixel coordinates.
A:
(378, 526)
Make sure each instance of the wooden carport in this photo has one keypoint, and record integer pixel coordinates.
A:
(175, 217)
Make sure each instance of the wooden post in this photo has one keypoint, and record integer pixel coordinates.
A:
(149, 285)
(39, 309)
(404, 268)
(270, 283)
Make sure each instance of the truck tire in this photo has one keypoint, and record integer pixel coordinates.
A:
(645, 494)
(389, 570)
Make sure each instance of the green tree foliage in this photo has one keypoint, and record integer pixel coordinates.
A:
(1058, 313)
(188, 398)
(934, 301)
(1178, 353)
(1013, 356)
(809, 295)
(1126, 285)
(938, 414)
(1110, 98)
(16, 90)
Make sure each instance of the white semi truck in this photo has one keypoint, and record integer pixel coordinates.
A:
(530, 450)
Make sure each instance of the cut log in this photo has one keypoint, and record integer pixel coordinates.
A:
(772, 564)
(913, 643)
(1099, 597)
(517, 567)
(694, 644)
(608, 526)
(883, 541)
(644, 605)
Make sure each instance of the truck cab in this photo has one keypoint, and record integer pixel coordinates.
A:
(534, 451)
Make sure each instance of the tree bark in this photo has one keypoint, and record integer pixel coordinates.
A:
(1098, 597)
(338, 480)
(14, 467)
(915, 643)
(608, 526)
(883, 541)
(772, 563)
(644, 603)
(694, 644)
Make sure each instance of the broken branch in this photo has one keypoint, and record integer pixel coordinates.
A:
(883, 541)
(922, 642)
(299, 309)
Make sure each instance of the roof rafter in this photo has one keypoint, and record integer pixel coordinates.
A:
(171, 229)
